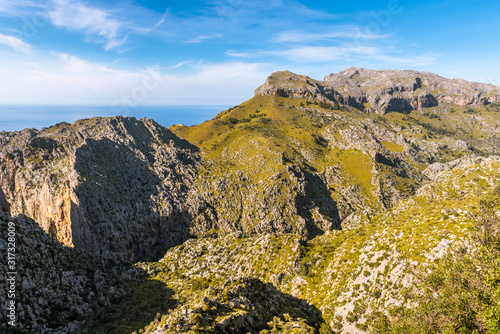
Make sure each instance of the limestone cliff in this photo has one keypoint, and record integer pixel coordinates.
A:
(106, 185)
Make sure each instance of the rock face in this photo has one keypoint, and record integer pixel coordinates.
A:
(111, 185)
(382, 91)
(4, 205)
(246, 305)
(54, 284)
(291, 201)
(348, 275)
(288, 84)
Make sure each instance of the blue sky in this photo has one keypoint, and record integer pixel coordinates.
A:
(143, 52)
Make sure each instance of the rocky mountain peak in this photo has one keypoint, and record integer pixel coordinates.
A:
(381, 91)
(104, 185)
(288, 84)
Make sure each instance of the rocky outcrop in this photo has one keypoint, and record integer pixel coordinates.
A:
(131, 187)
(291, 200)
(382, 91)
(435, 170)
(53, 285)
(4, 205)
(347, 275)
(301, 216)
(246, 305)
(106, 185)
(288, 84)
(390, 173)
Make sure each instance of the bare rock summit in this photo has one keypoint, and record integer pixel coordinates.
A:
(381, 91)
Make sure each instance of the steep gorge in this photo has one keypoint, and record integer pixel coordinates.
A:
(306, 207)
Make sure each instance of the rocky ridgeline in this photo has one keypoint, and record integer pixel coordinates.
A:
(303, 208)
(134, 188)
(105, 185)
(381, 91)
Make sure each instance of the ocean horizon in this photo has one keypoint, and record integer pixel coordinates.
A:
(19, 117)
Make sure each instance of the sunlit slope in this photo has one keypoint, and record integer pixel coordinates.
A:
(303, 165)
(230, 283)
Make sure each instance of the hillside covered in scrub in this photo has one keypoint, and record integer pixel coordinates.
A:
(349, 205)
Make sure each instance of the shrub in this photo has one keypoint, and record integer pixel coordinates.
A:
(470, 111)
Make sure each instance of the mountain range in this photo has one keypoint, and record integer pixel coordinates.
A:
(313, 207)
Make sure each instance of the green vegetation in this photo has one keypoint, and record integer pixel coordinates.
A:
(461, 291)
(393, 147)
(431, 115)
(358, 272)
(308, 214)
(145, 303)
(470, 111)
(356, 167)
(493, 107)
(321, 104)
(442, 130)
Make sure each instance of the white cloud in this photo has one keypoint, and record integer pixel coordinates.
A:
(15, 43)
(92, 21)
(326, 53)
(67, 79)
(114, 43)
(201, 38)
(159, 23)
(347, 53)
(337, 33)
(311, 53)
(16, 7)
(212, 84)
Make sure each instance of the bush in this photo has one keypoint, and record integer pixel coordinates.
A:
(493, 107)
(470, 111)
(431, 115)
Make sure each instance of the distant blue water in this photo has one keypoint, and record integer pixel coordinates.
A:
(13, 118)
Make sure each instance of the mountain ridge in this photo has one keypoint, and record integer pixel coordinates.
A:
(299, 210)
(382, 91)
(56, 176)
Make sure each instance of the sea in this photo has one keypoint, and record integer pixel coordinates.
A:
(19, 117)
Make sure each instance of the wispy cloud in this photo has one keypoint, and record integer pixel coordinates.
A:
(201, 38)
(182, 63)
(236, 20)
(336, 33)
(420, 60)
(15, 43)
(326, 53)
(159, 23)
(346, 53)
(17, 7)
(90, 20)
(310, 53)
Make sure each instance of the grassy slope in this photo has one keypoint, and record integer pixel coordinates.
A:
(263, 135)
